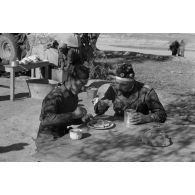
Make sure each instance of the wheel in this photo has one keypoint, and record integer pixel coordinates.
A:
(8, 47)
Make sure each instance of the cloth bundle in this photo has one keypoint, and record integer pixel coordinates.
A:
(30, 59)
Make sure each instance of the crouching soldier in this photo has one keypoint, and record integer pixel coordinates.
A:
(127, 93)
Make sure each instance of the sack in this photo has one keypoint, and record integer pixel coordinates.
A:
(156, 138)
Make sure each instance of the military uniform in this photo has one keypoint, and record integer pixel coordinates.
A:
(174, 48)
(142, 98)
(56, 114)
(62, 59)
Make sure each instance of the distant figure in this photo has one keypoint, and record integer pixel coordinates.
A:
(22, 43)
(174, 47)
(74, 57)
(181, 48)
(62, 58)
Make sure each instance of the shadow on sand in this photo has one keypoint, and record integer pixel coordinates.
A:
(118, 56)
(13, 147)
(181, 116)
(17, 96)
(4, 86)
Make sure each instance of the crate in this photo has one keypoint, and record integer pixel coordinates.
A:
(59, 75)
(39, 88)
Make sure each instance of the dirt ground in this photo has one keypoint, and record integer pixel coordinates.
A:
(173, 79)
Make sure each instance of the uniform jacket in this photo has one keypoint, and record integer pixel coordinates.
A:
(56, 111)
(143, 99)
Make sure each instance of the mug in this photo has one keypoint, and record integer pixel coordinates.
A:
(128, 116)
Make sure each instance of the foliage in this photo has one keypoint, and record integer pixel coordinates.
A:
(99, 71)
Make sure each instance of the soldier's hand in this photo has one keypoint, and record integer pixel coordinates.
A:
(139, 118)
(79, 113)
(87, 118)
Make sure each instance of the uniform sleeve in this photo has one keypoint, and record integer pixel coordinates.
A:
(158, 112)
(101, 107)
(49, 112)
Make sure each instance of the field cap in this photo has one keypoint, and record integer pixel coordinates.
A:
(125, 72)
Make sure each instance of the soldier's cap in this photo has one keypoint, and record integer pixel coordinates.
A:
(125, 72)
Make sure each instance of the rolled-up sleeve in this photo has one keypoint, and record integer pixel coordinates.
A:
(158, 112)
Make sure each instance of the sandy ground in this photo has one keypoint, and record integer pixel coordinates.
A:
(174, 81)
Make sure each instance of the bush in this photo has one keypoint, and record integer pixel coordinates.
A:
(99, 71)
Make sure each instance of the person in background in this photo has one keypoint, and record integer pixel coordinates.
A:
(74, 57)
(60, 107)
(62, 62)
(22, 43)
(127, 93)
(174, 47)
(181, 49)
(62, 58)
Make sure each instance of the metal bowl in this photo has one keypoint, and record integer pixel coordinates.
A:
(75, 134)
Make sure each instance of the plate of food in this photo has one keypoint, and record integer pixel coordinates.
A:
(100, 124)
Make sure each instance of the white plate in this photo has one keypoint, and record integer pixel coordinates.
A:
(101, 128)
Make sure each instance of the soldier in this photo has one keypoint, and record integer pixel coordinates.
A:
(72, 57)
(127, 93)
(22, 44)
(174, 47)
(62, 58)
(60, 107)
(181, 49)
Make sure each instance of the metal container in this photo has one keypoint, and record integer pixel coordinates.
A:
(75, 134)
(128, 116)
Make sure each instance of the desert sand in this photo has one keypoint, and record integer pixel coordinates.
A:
(173, 79)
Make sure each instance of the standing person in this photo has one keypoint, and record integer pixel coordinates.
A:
(74, 57)
(60, 107)
(127, 93)
(62, 58)
(174, 47)
(62, 62)
(181, 48)
(22, 44)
